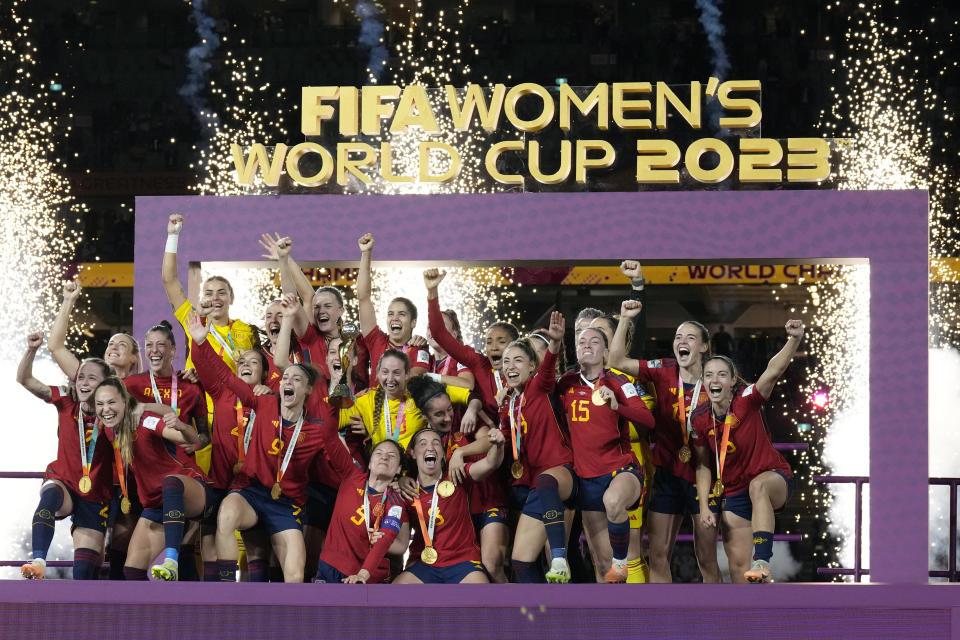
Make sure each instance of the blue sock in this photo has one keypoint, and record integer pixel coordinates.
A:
(619, 533)
(256, 570)
(547, 489)
(85, 563)
(45, 520)
(132, 573)
(227, 570)
(762, 545)
(528, 572)
(173, 516)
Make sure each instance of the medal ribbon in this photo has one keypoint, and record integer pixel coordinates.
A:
(722, 447)
(86, 453)
(388, 423)
(446, 367)
(515, 420)
(290, 445)
(426, 529)
(593, 385)
(684, 415)
(224, 346)
(121, 470)
(366, 512)
(173, 391)
(243, 439)
(496, 378)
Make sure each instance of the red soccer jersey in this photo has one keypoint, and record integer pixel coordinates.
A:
(377, 342)
(542, 441)
(347, 546)
(154, 458)
(749, 450)
(313, 350)
(488, 381)
(67, 468)
(453, 535)
(271, 436)
(447, 366)
(489, 493)
(599, 436)
(190, 399)
(223, 438)
(668, 428)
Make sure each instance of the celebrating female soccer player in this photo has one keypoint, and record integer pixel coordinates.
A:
(401, 319)
(171, 487)
(485, 368)
(610, 475)
(443, 367)
(284, 442)
(679, 390)
(79, 483)
(122, 353)
(488, 498)
(445, 549)
(638, 571)
(368, 514)
(542, 465)
(752, 476)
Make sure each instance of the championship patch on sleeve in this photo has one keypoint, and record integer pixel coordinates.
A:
(654, 364)
(462, 367)
(64, 390)
(747, 391)
(423, 357)
(629, 390)
(151, 422)
(392, 519)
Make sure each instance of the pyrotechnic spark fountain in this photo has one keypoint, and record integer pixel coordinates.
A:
(32, 196)
(880, 111)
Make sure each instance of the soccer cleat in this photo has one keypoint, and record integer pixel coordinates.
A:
(616, 574)
(559, 571)
(168, 570)
(34, 570)
(759, 572)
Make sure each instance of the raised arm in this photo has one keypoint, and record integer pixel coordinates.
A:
(779, 363)
(292, 314)
(638, 292)
(171, 283)
(210, 365)
(56, 343)
(25, 370)
(292, 280)
(438, 330)
(365, 311)
(546, 376)
(178, 431)
(618, 359)
(494, 458)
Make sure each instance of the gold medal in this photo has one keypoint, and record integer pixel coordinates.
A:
(684, 454)
(718, 488)
(236, 355)
(597, 398)
(516, 469)
(125, 504)
(429, 555)
(378, 510)
(236, 467)
(275, 491)
(85, 484)
(445, 489)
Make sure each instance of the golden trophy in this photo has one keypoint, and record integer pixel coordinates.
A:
(342, 397)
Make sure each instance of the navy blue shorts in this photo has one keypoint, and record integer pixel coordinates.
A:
(739, 503)
(592, 489)
(528, 499)
(89, 514)
(490, 516)
(318, 511)
(328, 574)
(211, 501)
(214, 498)
(454, 574)
(676, 496)
(275, 515)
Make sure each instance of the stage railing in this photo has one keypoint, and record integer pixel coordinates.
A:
(952, 574)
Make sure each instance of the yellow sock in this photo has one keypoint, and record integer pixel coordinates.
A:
(637, 571)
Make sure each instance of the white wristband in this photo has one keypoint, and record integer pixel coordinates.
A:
(172, 240)
(436, 377)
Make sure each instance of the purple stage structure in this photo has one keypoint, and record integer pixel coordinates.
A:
(887, 229)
